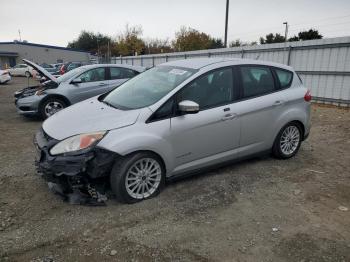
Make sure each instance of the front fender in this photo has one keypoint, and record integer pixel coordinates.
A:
(131, 139)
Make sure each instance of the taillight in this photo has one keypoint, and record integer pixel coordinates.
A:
(62, 70)
(307, 96)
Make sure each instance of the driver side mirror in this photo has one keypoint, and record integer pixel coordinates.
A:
(76, 81)
(188, 107)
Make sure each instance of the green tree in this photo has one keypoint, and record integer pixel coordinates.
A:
(189, 39)
(90, 42)
(238, 42)
(294, 38)
(129, 42)
(216, 43)
(272, 38)
(235, 43)
(157, 46)
(306, 35)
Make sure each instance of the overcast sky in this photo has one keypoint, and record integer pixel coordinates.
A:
(58, 22)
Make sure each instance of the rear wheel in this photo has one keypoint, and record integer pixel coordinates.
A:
(51, 106)
(288, 141)
(137, 177)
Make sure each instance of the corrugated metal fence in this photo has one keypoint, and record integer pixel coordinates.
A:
(324, 65)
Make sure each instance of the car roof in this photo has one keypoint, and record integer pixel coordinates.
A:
(199, 63)
(136, 68)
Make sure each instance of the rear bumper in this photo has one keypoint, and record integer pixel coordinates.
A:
(5, 78)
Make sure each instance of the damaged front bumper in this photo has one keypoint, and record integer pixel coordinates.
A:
(80, 178)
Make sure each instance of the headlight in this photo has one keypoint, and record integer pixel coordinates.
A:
(76, 143)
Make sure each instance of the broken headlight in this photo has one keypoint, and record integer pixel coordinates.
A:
(76, 143)
(40, 92)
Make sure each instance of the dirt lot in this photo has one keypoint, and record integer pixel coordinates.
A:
(258, 210)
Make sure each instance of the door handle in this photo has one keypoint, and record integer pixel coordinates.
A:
(278, 103)
(229, 117)
(102, 84)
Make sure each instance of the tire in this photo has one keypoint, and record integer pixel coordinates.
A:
(57, 104)
(124, 173)
(288, 141)
(27, 74)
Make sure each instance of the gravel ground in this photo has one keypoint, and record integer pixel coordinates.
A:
(257, 210)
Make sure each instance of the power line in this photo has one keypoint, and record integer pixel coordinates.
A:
(292, 30)
(324, 19)
(259, 30)
(325, 25)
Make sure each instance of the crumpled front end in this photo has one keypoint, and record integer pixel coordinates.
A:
(78, 178)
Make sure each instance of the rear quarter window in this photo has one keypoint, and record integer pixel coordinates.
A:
(284, 77)
(301, 81)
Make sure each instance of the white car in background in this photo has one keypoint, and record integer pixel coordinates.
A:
(4, 76)
(22, 70)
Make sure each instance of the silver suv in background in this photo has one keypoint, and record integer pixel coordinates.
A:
(174, 119)
(78, 84)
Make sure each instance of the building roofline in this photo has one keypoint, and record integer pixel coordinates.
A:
(5, 53)
(41, 45)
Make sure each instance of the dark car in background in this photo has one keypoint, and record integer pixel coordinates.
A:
(66, 67)
(49, 68)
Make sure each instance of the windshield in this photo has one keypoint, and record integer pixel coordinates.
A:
(148, 87)
(69, 74)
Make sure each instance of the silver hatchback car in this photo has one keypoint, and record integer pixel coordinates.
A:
(172, 120)
(77, 85)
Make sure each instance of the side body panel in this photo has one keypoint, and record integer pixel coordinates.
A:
(254, 129)
(259, 118)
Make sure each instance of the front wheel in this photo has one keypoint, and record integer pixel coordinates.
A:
(288, 141)
(137, 177)
(51, 106)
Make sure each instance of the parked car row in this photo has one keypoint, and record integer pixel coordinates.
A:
(4, 76)
(22, 70)
(169, 121)
(54, 69)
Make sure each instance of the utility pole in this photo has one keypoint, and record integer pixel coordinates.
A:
(98, 51)
(226, 22)
(108, 53)
(286, 31)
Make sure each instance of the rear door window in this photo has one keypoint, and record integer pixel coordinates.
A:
(256, 80)
(121, 73)
(93, 75)
(284, 77)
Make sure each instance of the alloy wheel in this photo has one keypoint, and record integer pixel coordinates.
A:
(52, 108)
(290, 140)
(143, 178)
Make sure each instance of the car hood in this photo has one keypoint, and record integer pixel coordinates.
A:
(41, 70)
(88, 116)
